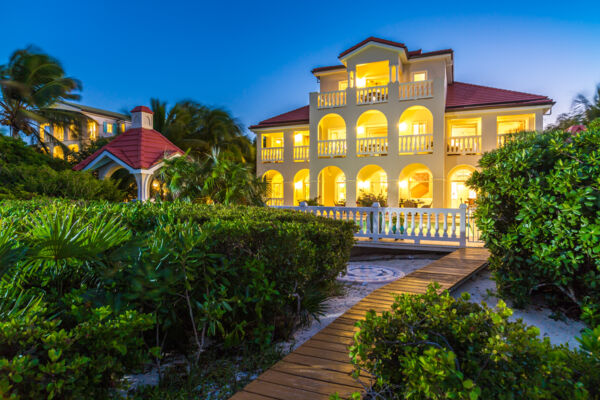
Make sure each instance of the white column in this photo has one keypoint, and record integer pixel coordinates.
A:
(142, 179)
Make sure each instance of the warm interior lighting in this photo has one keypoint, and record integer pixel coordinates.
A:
(278, 142)
(420, 76)
(402, 126)
(364, 185)
(155, 184)
(298, 138)
(361, 82)
(298, 185)
(360, 130)
(403, 184)
(109, 128)
(472, 194)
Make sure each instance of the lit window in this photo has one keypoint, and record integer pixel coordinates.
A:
(59, 132)
(57, 152)
(342, 85)
(301, 138)
(419, 128)
(92, 130)
(465, 127)
(419, 76)
(109, 128)
(122, 127)
(44, 130)
(514, 123)
(74, 148)
(270, 140)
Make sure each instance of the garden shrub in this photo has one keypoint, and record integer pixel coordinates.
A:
(433, 346)
(538, 209)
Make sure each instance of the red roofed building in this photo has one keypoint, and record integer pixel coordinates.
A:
(139, 150)
(391, 122)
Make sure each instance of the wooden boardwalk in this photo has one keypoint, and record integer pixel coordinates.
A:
(321, 366)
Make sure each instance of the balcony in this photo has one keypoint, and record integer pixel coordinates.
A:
(372, 95)
(372, 146)
(416, 144)
(332, 148)
(271, 154)
(331, 99)
(504, 138)
(301, 153)
(275, 201)
(416, 90)
(464, 145)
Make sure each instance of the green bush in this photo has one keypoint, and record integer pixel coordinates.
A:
(433, 346)
(539, 213)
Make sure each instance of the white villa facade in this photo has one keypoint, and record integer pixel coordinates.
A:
(392, 123)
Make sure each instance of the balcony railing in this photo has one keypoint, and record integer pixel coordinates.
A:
(372, 146)
(504, 138)
(301, 153)
(331, 99)
(272, 154)
(332, 148)
(464, 145)
(274, 201)
(416, 144)
(416, 90)
(372, 95)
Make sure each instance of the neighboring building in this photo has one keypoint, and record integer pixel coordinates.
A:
(393, 122)
(101, 124)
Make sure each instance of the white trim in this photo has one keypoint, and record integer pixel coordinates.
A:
(412, 75)
(118, 161)
(278, 128)
(319, 74)
(397, 49)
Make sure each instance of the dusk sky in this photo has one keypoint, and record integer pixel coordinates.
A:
(254, 58)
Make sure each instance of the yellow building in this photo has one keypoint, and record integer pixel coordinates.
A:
(392, 123)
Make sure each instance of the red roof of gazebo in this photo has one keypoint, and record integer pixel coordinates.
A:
(139, 148)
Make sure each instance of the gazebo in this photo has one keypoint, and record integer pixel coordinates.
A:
(140, 150)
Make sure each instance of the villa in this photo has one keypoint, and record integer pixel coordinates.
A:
(101, 123)
(392, 122)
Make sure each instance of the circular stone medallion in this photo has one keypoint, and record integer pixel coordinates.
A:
(370, 274)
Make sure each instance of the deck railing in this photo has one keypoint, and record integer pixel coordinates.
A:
(332, 148)
(301, 153)
(275, 201)
(372, 146)
(333, 99)
(416, 90)
(416, 144)
(372, 95)
(464, 145)
(415, 224)
(271, 154)
(504, 138)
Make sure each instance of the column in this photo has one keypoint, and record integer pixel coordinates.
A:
(489, 136)
(287, 169)
(142, 179)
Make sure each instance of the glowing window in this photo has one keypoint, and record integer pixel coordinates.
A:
(109, 128)
(58, 152)
(419, 76)
(342, 85)
(270, 140)
(514, 123)
(59, 132)
(419, 127)
(122, 127)
(44, 131)
(92, 130)
(301, 138)
(465, 127)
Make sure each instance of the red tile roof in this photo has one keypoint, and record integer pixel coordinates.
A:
(294, 117)
(139, 148)
(328, 68)
(142, 109)
(372, 39)
(465, 95)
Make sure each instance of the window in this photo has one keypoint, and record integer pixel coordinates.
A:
(340, 190)
(465, 127)
(59, 132)
(74, 148)
(342, 85)
(301, 138)
(92, 130)
(337, 133)
(57, 152)
(419, 76)
(109, 128)
(122, 127)
(514, 123)
(419, 127)
(44, 131)
(270, 140)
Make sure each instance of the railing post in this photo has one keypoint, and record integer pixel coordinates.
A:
(463, 225)
(375, 221)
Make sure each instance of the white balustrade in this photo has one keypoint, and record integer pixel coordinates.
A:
(272, 154)
(416, 90)
(464, 145)
(333, 99)
(301, 153)
(504, 138)
(416, 144)
(332, 148)
(372, 95)
(415, 224)
(275, 201)
(372, 146)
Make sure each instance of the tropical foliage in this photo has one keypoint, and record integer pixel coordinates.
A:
(182, 277)
(215, 180)
(433, 346)
(26, 172)
(583, 111)
(539, 213)
(30, 84)
(198, 129)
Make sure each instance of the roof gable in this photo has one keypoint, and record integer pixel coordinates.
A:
(465, 95)
(372, 40)
(297, 116)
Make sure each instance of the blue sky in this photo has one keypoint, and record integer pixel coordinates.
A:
(254, 58)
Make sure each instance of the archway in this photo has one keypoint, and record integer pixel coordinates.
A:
(371, 184)
(58, 152)
(415, 186)
(371, 133)
(126, 182)
(332, 187)
(332, 136)
(415, 128)
(460, 193)
(301, 186)
(274, 181)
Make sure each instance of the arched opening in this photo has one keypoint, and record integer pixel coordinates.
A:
(57, 152)
(332, 136)
(126, 182)
(371, 134)
(371, 185)
(460, 193)
(415, 186)
(301, 186)
(415, 128)
(274, 181)
(332, 187)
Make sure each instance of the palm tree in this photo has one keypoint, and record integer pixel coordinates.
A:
(30, 84)
(198, 128)
(583, 111)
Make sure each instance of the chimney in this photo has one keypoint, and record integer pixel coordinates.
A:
(141, 117)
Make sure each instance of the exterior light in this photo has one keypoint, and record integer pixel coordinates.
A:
(472, 194)
(360, 130)
(298, 138)
(364, 184)
(360, 82)
(403, 184)
(298, 185)
(402, 126)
